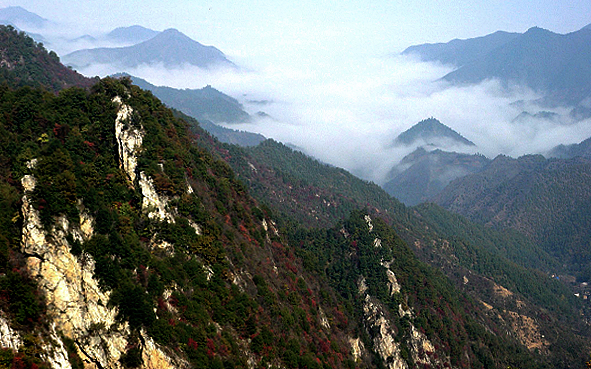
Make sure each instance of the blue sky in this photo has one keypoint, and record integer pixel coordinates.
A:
(377, 25)
(330, 67)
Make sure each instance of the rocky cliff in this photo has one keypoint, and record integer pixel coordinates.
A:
(77, 306)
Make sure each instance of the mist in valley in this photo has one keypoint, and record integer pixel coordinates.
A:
(343, 96)
(348, 111)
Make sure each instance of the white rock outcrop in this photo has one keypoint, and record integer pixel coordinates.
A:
(323, 319)
(129, 143)
(369, 223)
(155, 205)
(76, 305)
(393, 285)
(383, 334)
(9, 338)
(357, 348)
(421, 349)
(129, 139)
(392, 282)
(383, 337)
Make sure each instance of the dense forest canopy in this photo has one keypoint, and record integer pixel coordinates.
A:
(265, 257)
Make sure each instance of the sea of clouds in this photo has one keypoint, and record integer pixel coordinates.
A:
(346, 108)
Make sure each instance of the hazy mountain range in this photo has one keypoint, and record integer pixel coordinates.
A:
(553, 64)
(22, 18)
(209, 106)
(170, 249)
(582, 149)
(130, 237)
(169, 49)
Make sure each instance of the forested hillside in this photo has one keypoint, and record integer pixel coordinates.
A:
(24, 62)
(299, 187)
(130, 238)
(547, 200)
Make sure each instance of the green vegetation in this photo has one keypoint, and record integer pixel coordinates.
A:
(27, 63)
(547, 200)
(300, 190)
(348, 252)
(201, 309)
(255, 279)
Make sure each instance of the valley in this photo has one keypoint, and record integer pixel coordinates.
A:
(166, 225)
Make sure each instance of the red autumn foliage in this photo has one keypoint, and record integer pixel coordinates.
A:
(192, 344)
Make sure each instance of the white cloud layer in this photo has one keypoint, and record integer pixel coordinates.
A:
(346, 111)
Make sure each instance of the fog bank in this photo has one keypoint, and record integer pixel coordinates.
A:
(347, 110)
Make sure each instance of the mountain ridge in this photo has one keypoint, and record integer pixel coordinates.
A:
(170, 47)
(545, 199)
(22, 17)
(168, 261)
(422, 174)
(131, 34)
(460, 52)
(432, 131)
(549, 63)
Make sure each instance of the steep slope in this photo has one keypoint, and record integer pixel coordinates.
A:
(126, 243)
(170, 48)
(555, 65)
(461, 52)
(317, 194)
(23, 62)
(146, 251)
(431, 132)
(132, 34)
(421, 175)
(401, 298)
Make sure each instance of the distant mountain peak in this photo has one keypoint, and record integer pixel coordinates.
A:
(172, 31)
(22, 17)
(536, 29)
(172, 34)
(432, 132)
(132, 34)
(538, 32)
(171, 48)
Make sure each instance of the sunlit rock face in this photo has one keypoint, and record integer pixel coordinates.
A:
(130, 136)
(9, 338)
(153, 204)
(129, 139)
(75, 303)
(77, 307)
(383, 333)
